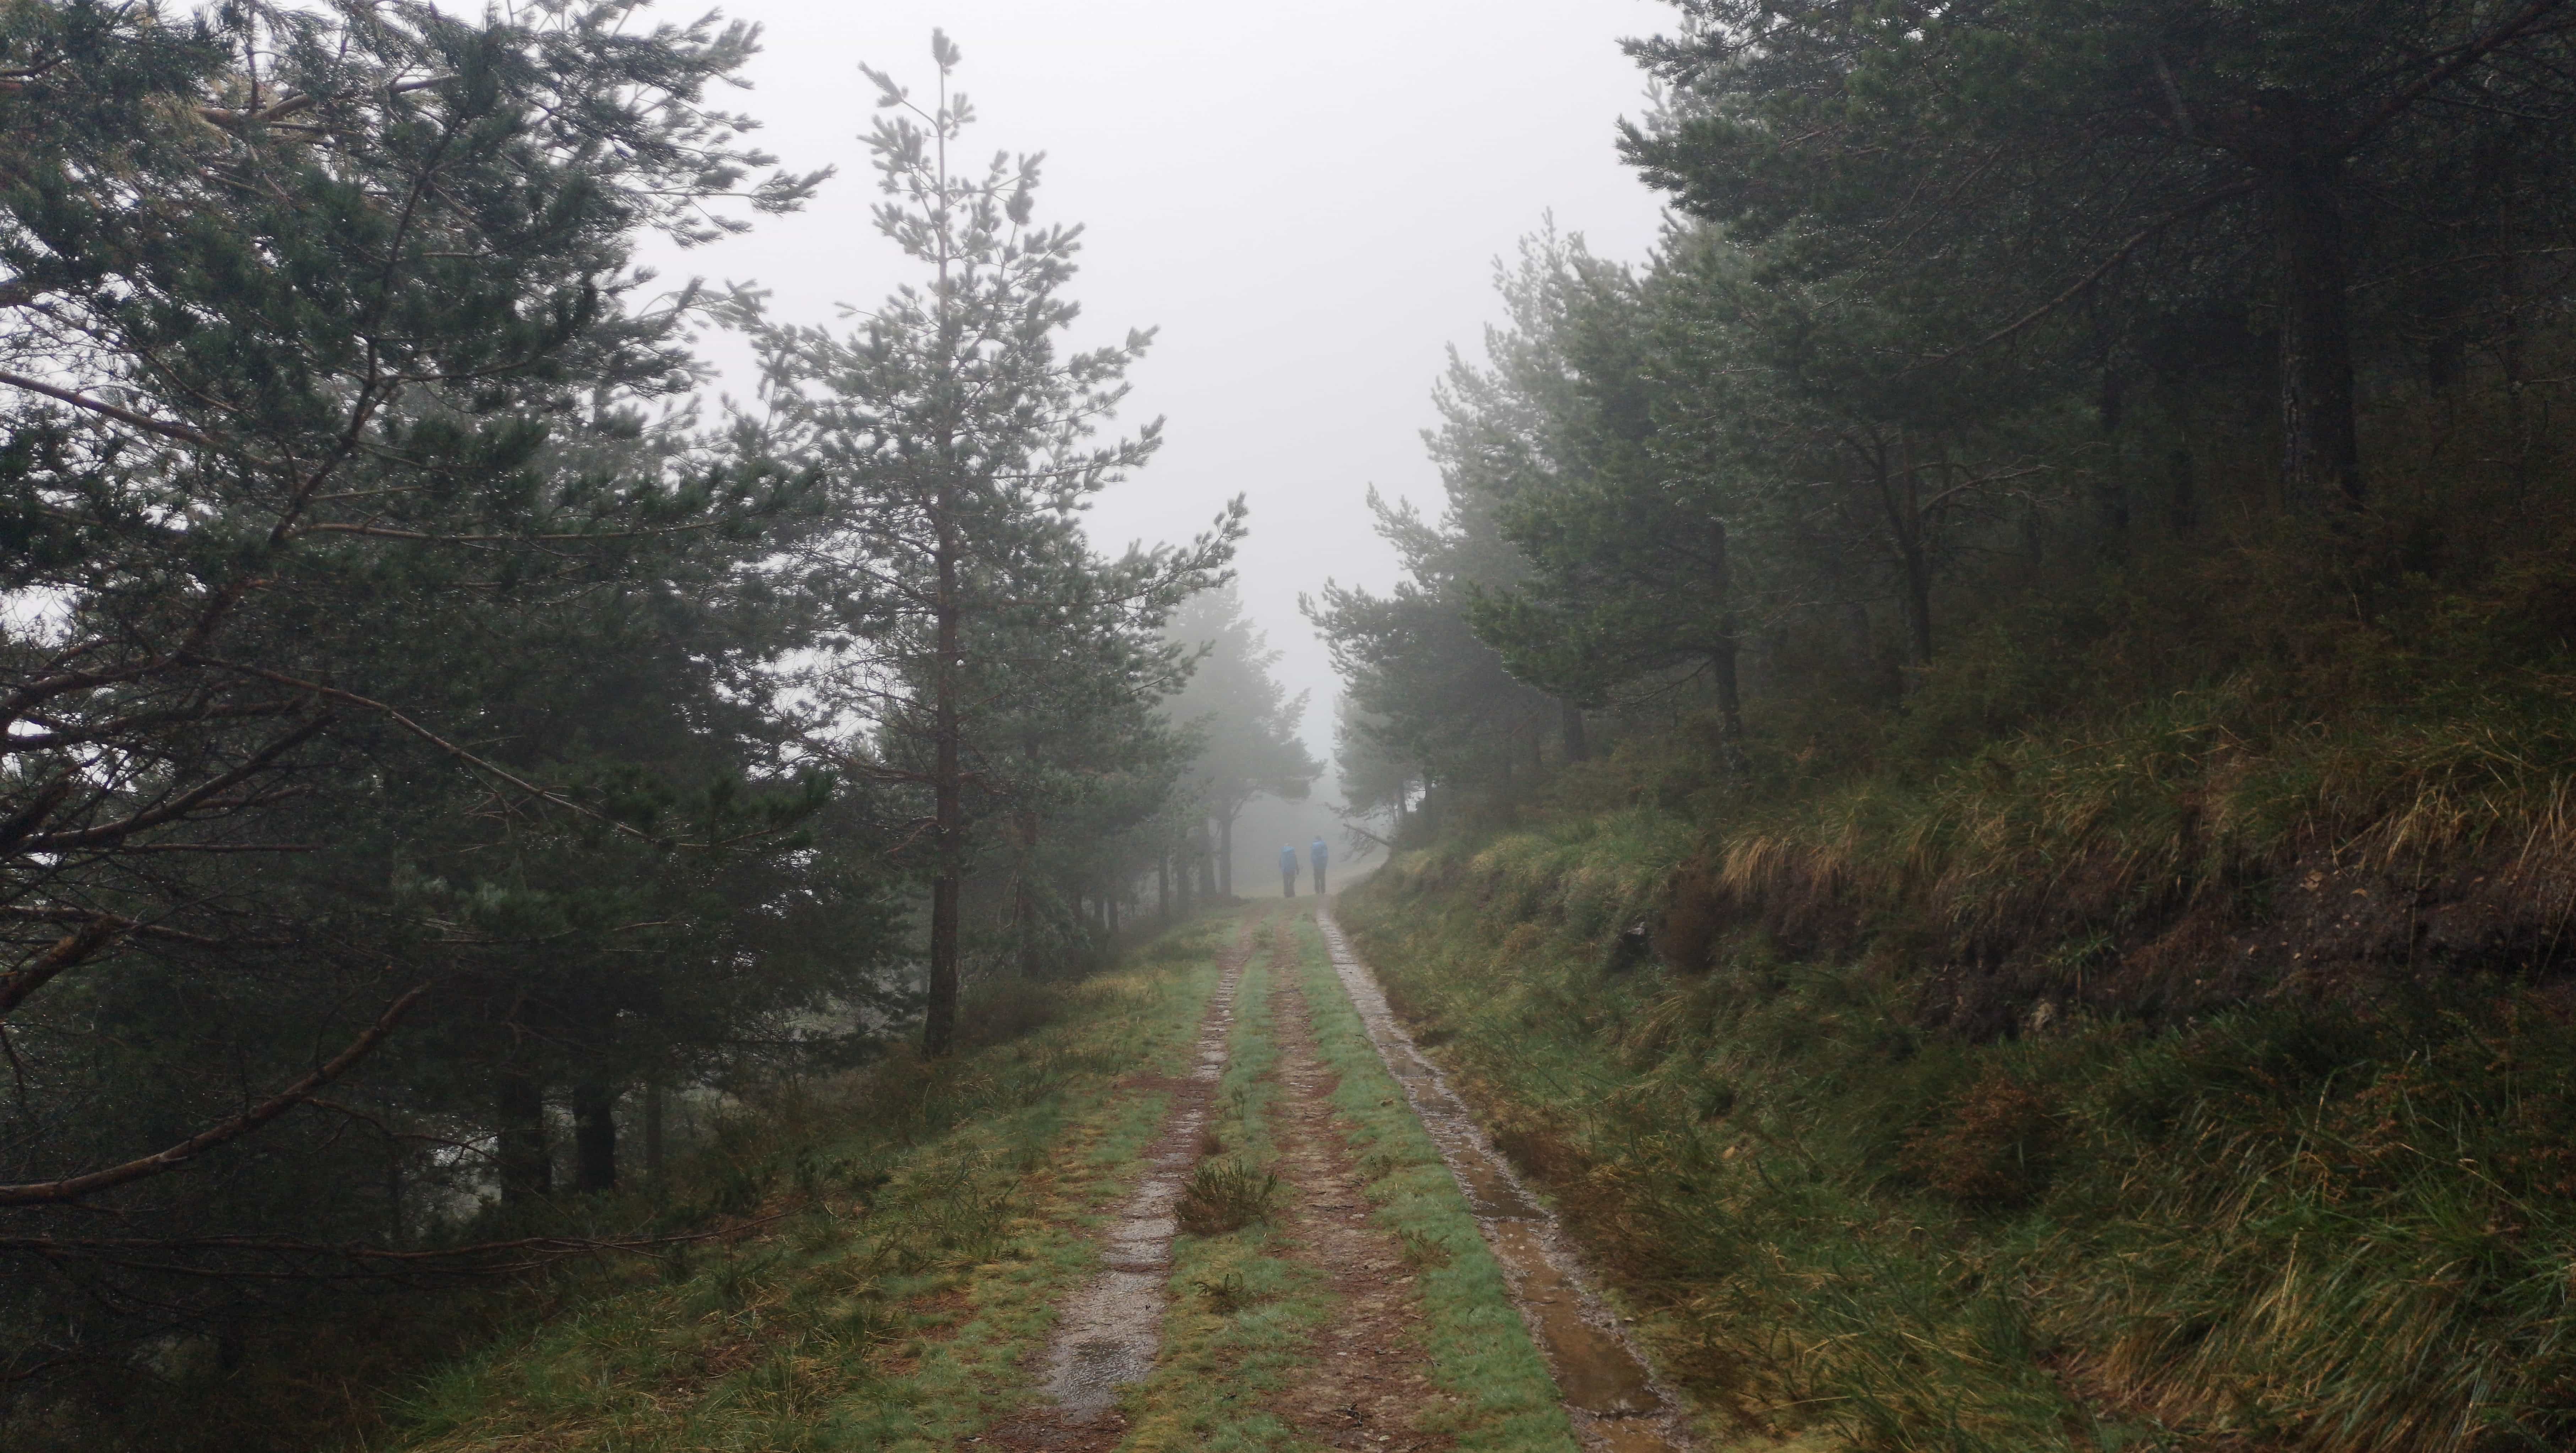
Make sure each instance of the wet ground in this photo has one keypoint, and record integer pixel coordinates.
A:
(1610, 1394)
(1113, 1327)
(1368, 1373)
(1365, 1377)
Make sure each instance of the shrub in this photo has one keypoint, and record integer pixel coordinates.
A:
(1223, 1196)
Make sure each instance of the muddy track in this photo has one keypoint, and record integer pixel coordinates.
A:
(1612, 1397)
(1113, 1327)
(1368, 1376)
(1364, 1379)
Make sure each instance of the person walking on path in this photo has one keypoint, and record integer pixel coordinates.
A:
(1288, 871)
(1317, 852)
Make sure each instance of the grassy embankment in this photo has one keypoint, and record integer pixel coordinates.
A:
(936, 1218)
(2077, 1067)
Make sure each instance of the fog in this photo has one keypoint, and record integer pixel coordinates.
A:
(1306, 200)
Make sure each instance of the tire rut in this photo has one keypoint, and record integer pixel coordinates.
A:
(1369, 1375)
(1113, 1327)
(1611, 1394)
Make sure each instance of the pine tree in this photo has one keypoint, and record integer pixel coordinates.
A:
(1247, 723)
(957, 440)
(390, 713)
(1989, 169)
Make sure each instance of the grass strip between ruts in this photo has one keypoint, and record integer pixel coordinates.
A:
(900, 1309)
(1500, 1395)
(1243, 1309)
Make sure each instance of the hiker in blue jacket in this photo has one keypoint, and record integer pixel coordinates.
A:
(1288, 871)
(1317, 853)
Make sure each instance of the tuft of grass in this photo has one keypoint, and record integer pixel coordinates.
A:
(1223, 1196)
(1227, 1294)
(1423, 1251)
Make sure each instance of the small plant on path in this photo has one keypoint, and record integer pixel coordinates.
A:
(1223, 1196)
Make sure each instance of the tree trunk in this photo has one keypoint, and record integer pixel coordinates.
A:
(1900, 495)
(2182, 509)
(527, 1162)
(939, 1014)
(1918, 605)
(1109, 902)
(1225, 852)
(1576, 748)
(1730, 696)
(652, 1131)
(1024, 905)
(1723, 656)
(594, 1137)
(2320, 442)
(1163, 888)
(2111, 507)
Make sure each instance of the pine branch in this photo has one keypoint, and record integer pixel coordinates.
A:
(73, 1188)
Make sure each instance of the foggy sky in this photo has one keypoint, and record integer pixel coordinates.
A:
(1305, 198)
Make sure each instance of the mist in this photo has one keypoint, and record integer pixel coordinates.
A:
(1306, 203)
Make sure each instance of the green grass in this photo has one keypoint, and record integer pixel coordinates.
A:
(2295, 1227)
(936, 1217)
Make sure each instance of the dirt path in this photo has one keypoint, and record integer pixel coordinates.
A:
(1364, 1375)
(1368, 1375)
(1114, 1326)
(1611, 1396)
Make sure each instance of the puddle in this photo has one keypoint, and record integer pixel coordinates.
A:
(1113, 1327)
(1610, 1395)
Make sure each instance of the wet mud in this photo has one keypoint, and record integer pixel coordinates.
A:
(1113, 1326)
(1368, 1376)
(1611, 1395)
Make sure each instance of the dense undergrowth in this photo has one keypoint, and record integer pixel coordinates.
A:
(2111, 1049)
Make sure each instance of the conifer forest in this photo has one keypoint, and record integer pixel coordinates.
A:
(1953, 828)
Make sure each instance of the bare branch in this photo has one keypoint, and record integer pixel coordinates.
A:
(187, 802)
(71, 950)
(2120, 254)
